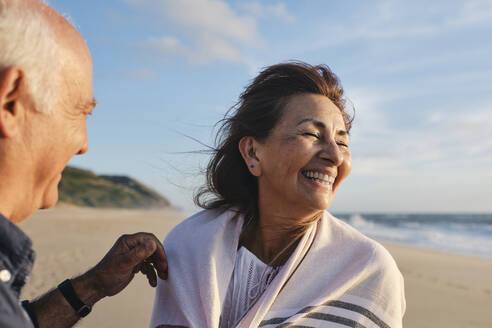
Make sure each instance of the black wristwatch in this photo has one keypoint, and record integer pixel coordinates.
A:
(68, 292)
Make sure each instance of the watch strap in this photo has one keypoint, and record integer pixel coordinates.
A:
(28, 307)
(68, 292)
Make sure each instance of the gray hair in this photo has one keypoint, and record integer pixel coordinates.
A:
(27, 40)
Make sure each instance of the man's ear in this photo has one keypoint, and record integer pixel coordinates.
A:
(247, 148)
(11, 84)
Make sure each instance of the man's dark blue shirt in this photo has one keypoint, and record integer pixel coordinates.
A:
(16, 260)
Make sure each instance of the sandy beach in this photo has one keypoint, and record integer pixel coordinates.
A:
(442, 290)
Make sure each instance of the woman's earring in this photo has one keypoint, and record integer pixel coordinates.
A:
(252, 165)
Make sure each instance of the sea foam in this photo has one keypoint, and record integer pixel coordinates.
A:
(458, 233)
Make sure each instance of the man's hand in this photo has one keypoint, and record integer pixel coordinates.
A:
(130, 254)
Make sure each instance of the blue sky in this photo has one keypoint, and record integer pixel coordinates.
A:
(419, 74)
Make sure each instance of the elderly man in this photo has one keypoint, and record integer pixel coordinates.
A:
(45, 96)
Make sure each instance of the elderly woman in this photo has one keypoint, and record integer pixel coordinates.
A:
(264, 252)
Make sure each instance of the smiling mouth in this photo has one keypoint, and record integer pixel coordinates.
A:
(319, 177)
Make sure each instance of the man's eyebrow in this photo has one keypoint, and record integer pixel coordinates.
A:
(88, 105)
(92, 103)
(342, 133)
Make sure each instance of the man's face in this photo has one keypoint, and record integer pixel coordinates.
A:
(62, 133)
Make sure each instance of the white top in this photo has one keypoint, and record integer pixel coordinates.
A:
(334, 276)
(249, 280)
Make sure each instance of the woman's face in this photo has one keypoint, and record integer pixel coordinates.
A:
(306, 157)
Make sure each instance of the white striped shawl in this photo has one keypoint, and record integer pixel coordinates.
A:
(336, 277)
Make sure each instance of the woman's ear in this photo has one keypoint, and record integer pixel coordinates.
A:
(247, 148)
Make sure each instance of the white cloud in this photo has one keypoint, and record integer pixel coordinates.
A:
(268, 11)
(444, 166)
(165, 44)
(465, 134)
(435, 59)
(210, 17)
(450, 138)
(369, 118)
(391, 20)
(474, 12)
(207, 30)
(210, 49)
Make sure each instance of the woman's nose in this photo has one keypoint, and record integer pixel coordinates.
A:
(331, 152)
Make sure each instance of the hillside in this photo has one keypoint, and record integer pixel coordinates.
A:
(84, 188)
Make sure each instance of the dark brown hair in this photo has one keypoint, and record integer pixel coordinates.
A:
(228, 180)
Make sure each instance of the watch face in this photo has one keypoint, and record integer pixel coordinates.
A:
(85, 310)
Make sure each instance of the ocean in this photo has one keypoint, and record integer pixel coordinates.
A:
(469, 234)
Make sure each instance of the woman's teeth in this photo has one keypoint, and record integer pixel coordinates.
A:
(324, 178)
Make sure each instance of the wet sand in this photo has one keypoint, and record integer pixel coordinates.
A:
(442, 290)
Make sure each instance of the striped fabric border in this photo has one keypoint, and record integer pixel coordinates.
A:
(309, 310)
(326, 317)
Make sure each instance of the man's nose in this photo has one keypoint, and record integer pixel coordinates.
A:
(331, 152)
(84, 148)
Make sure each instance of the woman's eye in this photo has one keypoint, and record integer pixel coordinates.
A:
(312, 134)
(342, 144)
